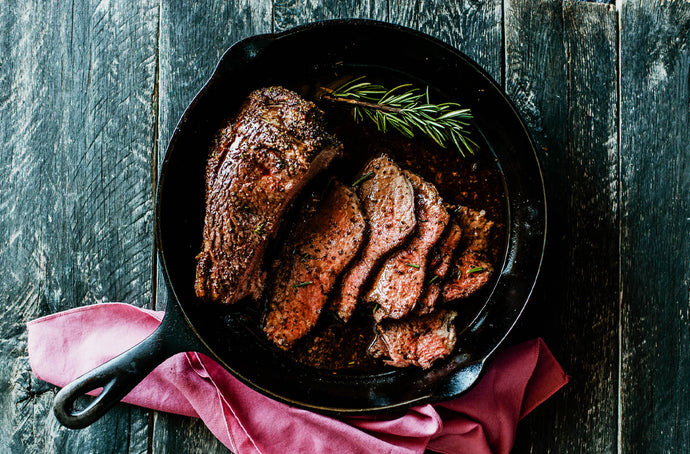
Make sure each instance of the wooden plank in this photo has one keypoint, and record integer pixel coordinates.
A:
(291, 13)
(587, 288)
(360, 9)
(76, 119)
(536, 81)
(473, 27)
(193, 37)
(655, 220)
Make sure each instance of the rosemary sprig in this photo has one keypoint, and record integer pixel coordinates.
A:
(302, 284)
(433, 279)
(406, 109)
(364, 177)
(476, 269)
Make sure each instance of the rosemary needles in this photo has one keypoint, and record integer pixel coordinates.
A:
(406, 109)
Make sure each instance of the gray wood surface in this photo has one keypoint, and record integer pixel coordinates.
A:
(655, 227)
(581, 163)
(90, 93)
(76, 119)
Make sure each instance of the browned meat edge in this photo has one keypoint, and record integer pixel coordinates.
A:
(400, 281)
(258, 163)
(439, 263)
(471, 270)
(388, 202)
(415, 340)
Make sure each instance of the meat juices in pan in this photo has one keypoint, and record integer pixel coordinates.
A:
(388, 202)
(258, 163)
(318, 248)
(400, 281)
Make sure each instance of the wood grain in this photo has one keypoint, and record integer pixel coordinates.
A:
(561, 71)
(585, 414)
(536, 80)
(655, 221)
(359, 9)
(90, 93)
(473, 27)
(76, 121)
(291, 13)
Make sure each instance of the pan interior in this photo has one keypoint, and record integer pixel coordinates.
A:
(301, 60)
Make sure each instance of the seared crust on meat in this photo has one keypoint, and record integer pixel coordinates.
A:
(415, 340)
(388, 202)
(471, 270)
(476, 229)
(439, 262)
(400, 282)
(258, 163)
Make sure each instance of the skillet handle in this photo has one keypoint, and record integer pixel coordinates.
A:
(121, 374)
(461, 380)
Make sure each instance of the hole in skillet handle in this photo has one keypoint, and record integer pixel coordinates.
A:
(121, 374)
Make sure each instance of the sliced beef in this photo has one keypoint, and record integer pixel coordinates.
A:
(257, 164)
(476, 229)
(471, 269)
(469, 273)
(415, 340)
(326, 238)
(400, 282)
(388, 202)
(440, 261)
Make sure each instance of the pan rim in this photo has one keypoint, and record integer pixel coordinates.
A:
(297, 30)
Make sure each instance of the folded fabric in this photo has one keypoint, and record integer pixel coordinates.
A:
(65, 345)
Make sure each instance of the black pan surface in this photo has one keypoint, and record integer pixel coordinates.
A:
(299, 59)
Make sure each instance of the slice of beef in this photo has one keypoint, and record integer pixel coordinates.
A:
(316, 251)
(257, 164)
(471, 269)
(476, 229)
(469, 273)
(388, 202)
(439, 262)
(415, 340)
(400, 282)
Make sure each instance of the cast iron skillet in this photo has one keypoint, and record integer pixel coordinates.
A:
(301, 56)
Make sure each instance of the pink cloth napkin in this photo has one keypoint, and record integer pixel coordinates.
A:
(63, 346)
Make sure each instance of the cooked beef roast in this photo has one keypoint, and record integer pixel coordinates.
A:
(471, 269)
(400, 282)
(440, 261)
(469, 273)
(476, 229)
(257, 164)
(415, 340)
(326, 238)
(388, 202)
(394, 233)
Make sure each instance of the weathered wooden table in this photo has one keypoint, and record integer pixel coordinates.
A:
(90, 94)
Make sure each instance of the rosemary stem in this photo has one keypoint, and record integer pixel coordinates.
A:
(356, 102)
